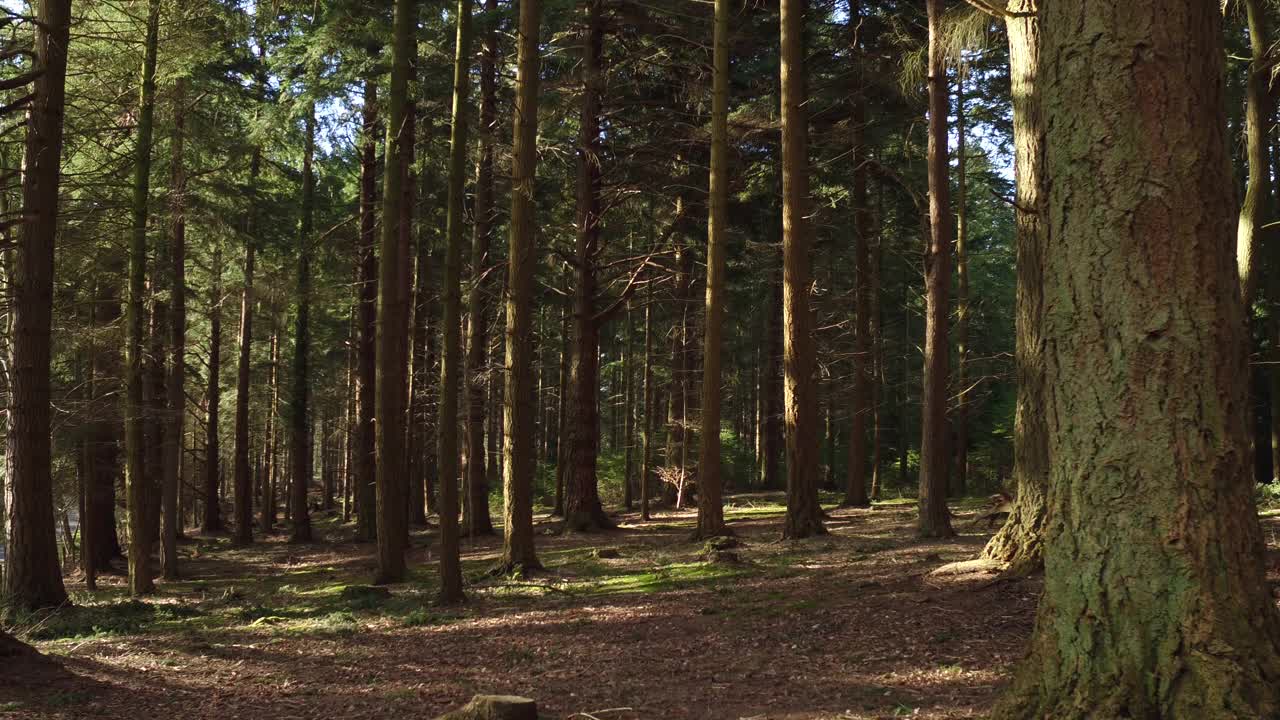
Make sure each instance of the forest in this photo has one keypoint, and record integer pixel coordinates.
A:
(630, 359)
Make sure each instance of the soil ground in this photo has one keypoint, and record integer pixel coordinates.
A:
(631, 624)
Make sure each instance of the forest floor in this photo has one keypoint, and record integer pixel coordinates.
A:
(631, 624)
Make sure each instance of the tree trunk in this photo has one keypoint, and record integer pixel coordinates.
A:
(268, 518)
(243, 470)
(1155, 603)
(855, 494)
(451, 360)
(175, 383)
(213, 398)
(960, 417)
(140, 580)
(804, 514)
(647, 412)
(300, 412)
(518, 551)
(477, 521)
(771, 435)
(1019, 543)
(1259, 107)
(562, 412)
(364, 453)
(393, 312)
(935, 518)
(582, 511)
(710, 483)
(32, 576)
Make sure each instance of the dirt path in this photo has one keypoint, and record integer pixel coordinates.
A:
(845, 626)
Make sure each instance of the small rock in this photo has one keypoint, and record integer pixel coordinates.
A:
(495, 707)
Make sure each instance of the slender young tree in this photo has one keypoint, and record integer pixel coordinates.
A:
(1155, 602)
(32, 576)
(477, 481)
(243, 470)
(300, 400)
(1259, 107)
(935, 518)
(393, 312)
(365, 452)
(140, 579)
(518, 553)
(804, 514)
(855, 494)
(213, 400)
(710, 502)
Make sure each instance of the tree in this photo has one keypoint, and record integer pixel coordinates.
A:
(140, 581)
(476, 481)
(243, 479)
(450, 565)
(710, 502)
(32, 576)
(213, 403)
(300, 400)
(856, 474)
(804, 514)
(364, 455)
(934, 458)
(518, 553)
(175, 384)
(1018, 545)
(393, 312)
(1155, 603)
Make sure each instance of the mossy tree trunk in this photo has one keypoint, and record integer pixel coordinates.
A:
(1155, 604)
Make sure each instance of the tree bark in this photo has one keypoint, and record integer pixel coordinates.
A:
(366, 324)
(960, 414)
(518, 551)
(243, 469)
(1155, 602)
(855, 494)
(710, 482)
(391, 405)
(213, 399)
(935, 460)
(175, 383)
(1259, 108)
(32, 576)
(804, 514)
(647, 412)
(300, 411)
(140, 579)
(1018, 546)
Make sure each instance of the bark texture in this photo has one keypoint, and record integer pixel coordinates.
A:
(1155, 604)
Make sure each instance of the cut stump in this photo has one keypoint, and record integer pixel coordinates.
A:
(495, 707)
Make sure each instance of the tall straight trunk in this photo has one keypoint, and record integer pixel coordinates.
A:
(1155, 602)
(710, 502)
(412, 487)
(477, 481)
(519, 464)
(422, 456)
(646, 412)
(300, 411)
(771, 432)
(1019, 543)
(269, 495)
(450, 565)
(175, 383)
(140, 579)
(1259, 108)
(392, 403)
(364, 453)
(243, 469)
(960, 418)
(105, 426)
(32, 576)
(562, 412)
(935, 461)
(628, 412)
(879, 387)
(213, 398)
(677, 421)
(153, 387)
(582, 510)
(855, 493)
(804, 514)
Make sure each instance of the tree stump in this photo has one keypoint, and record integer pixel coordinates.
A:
(495, 707)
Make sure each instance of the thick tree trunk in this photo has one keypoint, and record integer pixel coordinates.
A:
(364, 452)
(140, 579)
(477, 521)
(582, 510)
(1019, 544)
(804, 514)
(32, 576)
(710, 483)
(518, 551)
(213, 399)
(300, 411)
(935, 460)
(393, 312)
(1155, 603)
